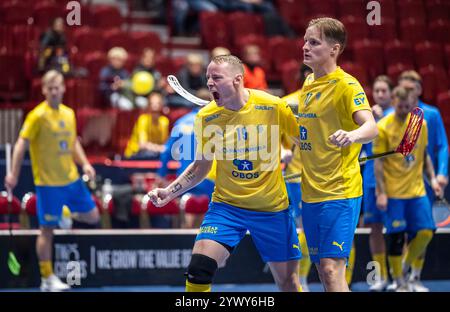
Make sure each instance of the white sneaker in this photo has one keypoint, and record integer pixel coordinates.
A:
(304, 284)
(380, 285)
(53, 283)
(392, 287)
(417, 286)
(404, 288)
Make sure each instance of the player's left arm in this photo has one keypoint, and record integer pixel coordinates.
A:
(366, 132)
(442, 152)
(80, 158)
(429, 172)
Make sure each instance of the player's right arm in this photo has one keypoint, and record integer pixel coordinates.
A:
(193, 175)
(17, 158)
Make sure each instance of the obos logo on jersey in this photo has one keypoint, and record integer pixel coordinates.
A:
(304, 146)
(244, 165)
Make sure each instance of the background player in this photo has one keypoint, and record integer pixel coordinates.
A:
(334, 114)
(50, 132)
(373, 217)
(438, 151)
(401, 190)
(250, 193)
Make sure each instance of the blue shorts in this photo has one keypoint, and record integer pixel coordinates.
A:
(330, 227)
(410, 215)
(295, 198)
(430, 194)
(371, 213)
(273, 233)
(51, 199)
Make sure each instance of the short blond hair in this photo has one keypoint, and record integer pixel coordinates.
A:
(410, 75)
(400, 93)
(117, 52)
(51, 76)
(233, 60)
(332, 29)
(385, 79)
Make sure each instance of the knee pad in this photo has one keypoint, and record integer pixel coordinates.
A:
(395, 242)
(201, 269)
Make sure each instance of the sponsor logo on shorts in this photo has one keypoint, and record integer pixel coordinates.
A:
(49, 217)
(398, 223)
(313, 251)
(209, 229)
(296, 246)
(341, 245)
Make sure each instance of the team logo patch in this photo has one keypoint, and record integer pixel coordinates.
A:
(308, 98)
(62, 124)
(359, 98)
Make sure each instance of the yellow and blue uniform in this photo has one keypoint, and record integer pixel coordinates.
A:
(146, 131)
(331, 179)
(293, 187)
(52, 135)
(250, 193)
(408, 206)
(371, 213)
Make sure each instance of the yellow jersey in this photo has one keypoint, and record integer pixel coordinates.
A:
(327, 104)
(51, 134)
(295, 166)
(403, 176)
(146, 131)
(246, 147)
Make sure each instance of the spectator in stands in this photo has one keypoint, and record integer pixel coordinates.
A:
(191, 76)
(112, 80)
(150, 131)
(219, 51)
(147, 64)
(181, 10)
(254, 75)
(52, 48)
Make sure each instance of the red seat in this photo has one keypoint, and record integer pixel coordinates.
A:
(413, 30)
(242, 24)
(437, 9)
(357, 29)
(370, 52)
(358, 71)
(136, 207)
(16, 13)
(13, 83)
(387, 31)
(195, 204)
(124, 126)
(88, 39)
(25, 38)
(45, 12)
(429, 53)
(294, 12)
(284, 50)
(447, 54)
(388, 9)
(15, 204)
(396, 52)
(94, 62)
(394, 70)
(214, 29)
(411, 9)
(352, 7)
(443, 103)
(171, 208)
(116, 38)
(29, 204)
(289, 71)
(106, 16)
(438, 31)
(434, 81)
(321, 8)
(168, 66)
(142, 40)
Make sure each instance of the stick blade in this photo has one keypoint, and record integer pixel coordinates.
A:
(412, 132)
